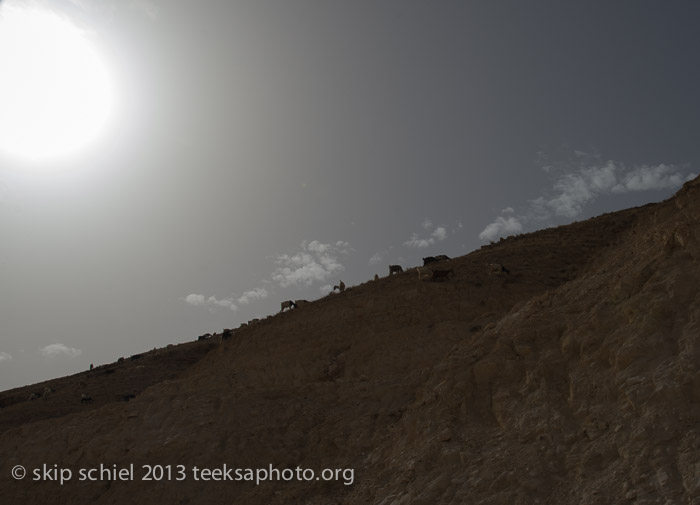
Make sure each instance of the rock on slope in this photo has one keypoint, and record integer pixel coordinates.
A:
(575, 379)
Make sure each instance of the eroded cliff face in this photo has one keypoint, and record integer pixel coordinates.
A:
(588, 393)
(574, 379)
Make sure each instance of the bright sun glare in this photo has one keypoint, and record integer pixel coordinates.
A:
(55, 93)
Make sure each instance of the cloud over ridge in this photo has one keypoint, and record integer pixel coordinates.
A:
(56, 350)
(438, 234)
(315, 262)
(580, 185)
(212, 302)
(253, 295)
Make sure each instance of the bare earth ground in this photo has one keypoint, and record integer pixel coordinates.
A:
(575, 379)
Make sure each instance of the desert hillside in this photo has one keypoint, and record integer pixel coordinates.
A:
(573, 379)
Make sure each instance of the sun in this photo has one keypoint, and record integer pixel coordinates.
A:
(55, 93)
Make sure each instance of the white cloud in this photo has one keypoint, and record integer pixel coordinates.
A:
(54, 350)
(315, 262)
(325, 289)
(659, 177)
(376, 259)
(251, 296)
(211, 302)
(226, 303)
(580, 183)
(419, 243)
(575, 190)
(196, 300)
(440, 233)
(4, 356)
(501, 227)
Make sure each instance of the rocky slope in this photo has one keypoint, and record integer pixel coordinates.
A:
(575, 379)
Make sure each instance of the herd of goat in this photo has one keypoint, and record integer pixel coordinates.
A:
(101, 370)
(424, 274)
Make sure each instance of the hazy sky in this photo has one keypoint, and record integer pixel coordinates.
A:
(259, 151)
